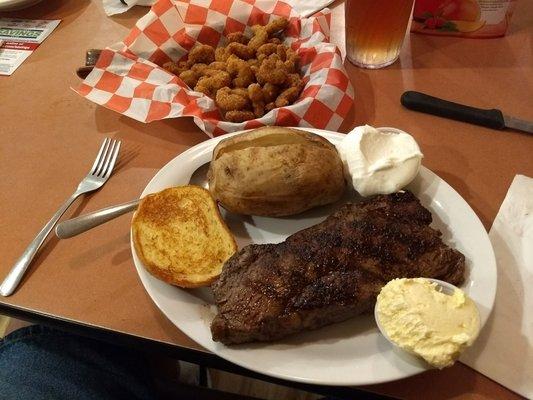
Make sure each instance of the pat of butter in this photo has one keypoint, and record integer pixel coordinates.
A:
(424, 321)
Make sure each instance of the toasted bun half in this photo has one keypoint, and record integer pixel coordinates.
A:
(180, 236)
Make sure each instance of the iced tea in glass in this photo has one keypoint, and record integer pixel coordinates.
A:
(375, 30)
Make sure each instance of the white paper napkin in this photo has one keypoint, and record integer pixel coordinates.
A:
(504, 350)
(305, 8)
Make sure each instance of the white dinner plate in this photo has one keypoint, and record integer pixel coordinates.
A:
(348, 353)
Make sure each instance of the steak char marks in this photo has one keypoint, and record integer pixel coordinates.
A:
(331, 271)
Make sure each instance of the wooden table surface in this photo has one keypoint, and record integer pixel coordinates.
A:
(50, 135)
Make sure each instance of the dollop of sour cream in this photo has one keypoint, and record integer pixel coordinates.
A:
(379, 161)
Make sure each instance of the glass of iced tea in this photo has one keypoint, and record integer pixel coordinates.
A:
(375, 30)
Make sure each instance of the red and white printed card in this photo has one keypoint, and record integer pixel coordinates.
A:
(19, 38)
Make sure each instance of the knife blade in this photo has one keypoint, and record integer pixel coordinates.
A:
(492, 118)
(517, 123)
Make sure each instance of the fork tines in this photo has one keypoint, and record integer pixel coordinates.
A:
(106, 158)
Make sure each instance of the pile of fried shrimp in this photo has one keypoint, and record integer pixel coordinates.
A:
(248, 77)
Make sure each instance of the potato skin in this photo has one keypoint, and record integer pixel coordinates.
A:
(275, 171)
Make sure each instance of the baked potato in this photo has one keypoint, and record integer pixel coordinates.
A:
(275, 171)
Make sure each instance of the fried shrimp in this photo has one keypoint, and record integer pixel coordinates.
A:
(281, 51)
(267, 49)
(270, 106)
(221, 54)
(288, 96)
(210, 84)
(259, 39)
(189, 77)
(272, 70)
(294, 80)
(248, 77)
(237, 37)
(276, 26)
(292, 60)
(270, 92)
(228, 100)
(239, 116)
(253, 62)
(240, 91)
(240, 50)
(202, 53)
(217, 65)
(255, 93)
(241, 70)
(176, 69)
(199, 68)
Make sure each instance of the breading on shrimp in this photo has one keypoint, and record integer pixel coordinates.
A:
(241, 70)
(292, 60)
(228, 100)
(255, 69)
(209, 85)
(221, 54)
(199, 68)
(267, 49)
(217, 65)
(189, 77)
(260, 37)
(270, 106)
(272, 70)
(212, 72)
(239, 116)
(277, 25)
(288, 96)
(281, 51)
(270, 92)
(176, 69)
(255, 93)
(294, 80)
(240, 50)
(243, 92)
(202, 53)
(260, 58)
(253, 62)
(237, 37)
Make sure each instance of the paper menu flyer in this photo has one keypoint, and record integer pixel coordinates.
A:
(19, 38)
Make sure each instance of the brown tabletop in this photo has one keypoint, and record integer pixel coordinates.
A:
(49, 136)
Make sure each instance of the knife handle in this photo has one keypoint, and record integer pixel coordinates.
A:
(432, 105)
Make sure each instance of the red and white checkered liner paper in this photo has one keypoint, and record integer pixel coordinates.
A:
(128, 78)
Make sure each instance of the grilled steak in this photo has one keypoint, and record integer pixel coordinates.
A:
(331, 271)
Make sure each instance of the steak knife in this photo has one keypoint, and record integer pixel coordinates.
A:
(493, 118)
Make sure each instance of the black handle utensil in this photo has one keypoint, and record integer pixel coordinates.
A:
(432, 105)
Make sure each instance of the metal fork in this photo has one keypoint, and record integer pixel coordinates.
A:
(97, 176)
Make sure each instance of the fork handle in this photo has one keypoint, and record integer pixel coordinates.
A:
(75, 226)
(18, 270)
